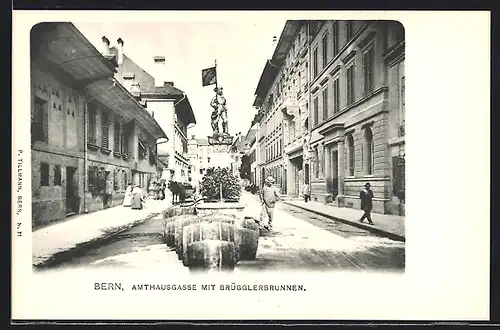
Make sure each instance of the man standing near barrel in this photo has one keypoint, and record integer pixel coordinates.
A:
(268, 196)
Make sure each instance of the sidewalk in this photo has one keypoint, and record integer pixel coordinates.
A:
(82, 230)
(392, 226)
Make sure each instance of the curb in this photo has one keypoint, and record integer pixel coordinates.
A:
(66, 255)
(374, 230)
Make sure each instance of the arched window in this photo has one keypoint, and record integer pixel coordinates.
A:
(350, 154)
(368, 149)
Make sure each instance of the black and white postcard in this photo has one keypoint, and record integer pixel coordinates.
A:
(250, 165)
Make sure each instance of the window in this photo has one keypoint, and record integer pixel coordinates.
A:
(125, 135)
(105, 130)
(315, 110)
(336, 95)
(350, 151)
(368, 147)
(143, 151)
(92, 177)
(325, 103)
(57, 175)
(324, 43)
(115, 180)
(40, 121)
(92, 113)
(335, 38)
(402, 111)
(368, 64)
(349, 30)
(44, 174)
(117, 136)
(350, 84)
(315, 62)
(316, 162)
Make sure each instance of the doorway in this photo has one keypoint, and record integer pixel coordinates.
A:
(306, 174)
(334, 188)
(71, 191)
(106, 198)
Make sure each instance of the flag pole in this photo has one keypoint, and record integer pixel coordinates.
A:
(216, 73)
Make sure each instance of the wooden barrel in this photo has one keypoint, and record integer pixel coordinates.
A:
(228, 218)
(179, 235)
(171, 225)
(210, 254)
(249, 234)
(207, 231)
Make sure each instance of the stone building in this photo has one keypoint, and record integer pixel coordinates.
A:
(89, 135)
(343, 123)
(199, 155)
(169, 106)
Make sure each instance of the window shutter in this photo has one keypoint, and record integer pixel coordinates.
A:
(105, 130)
(117, 137)
(45, 123)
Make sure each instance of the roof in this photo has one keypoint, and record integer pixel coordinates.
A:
(273, 65)
(64, 50)
(250, 137)
(60, 46)
(150, 91)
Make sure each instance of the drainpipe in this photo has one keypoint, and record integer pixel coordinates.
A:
(85, 148)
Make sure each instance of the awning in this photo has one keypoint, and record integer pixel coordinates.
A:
(117, 98)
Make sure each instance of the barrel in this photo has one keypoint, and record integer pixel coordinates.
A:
(170, 226)
(227, 218)
(203, 230)
(179, 234)
(183, 220)
(177, 210)
(249, 235)
(210, 254)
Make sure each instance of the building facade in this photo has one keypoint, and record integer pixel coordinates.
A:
(344, 125)
(89, 135)
(199, 155)
(169, 106)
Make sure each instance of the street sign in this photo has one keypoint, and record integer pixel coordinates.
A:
(209, 76)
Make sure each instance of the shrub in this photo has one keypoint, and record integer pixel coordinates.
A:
(210, 185)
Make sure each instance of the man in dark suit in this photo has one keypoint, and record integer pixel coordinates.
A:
(366, 196)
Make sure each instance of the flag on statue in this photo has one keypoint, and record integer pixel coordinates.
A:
(209, 76)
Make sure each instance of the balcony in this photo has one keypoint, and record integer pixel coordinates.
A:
(289, 106)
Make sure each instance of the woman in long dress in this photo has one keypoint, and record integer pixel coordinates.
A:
(127, 201)
(137, 198)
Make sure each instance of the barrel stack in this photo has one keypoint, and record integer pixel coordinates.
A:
(208, 240)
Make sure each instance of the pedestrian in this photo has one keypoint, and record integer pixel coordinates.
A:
(268, 196)
(306, 191)
(366, 196)
(127, 200)
(137, 198)
(162, 188)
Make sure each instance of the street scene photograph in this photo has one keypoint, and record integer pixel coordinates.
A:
(218, 146)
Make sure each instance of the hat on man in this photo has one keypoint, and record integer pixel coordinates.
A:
(367, 184)
(270, 179)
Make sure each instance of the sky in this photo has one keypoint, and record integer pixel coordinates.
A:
(241, 51)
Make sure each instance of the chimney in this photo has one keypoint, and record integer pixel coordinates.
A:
(273, 45)
(120, 51)
(159, 71)
(169, 83)
(105, 46)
